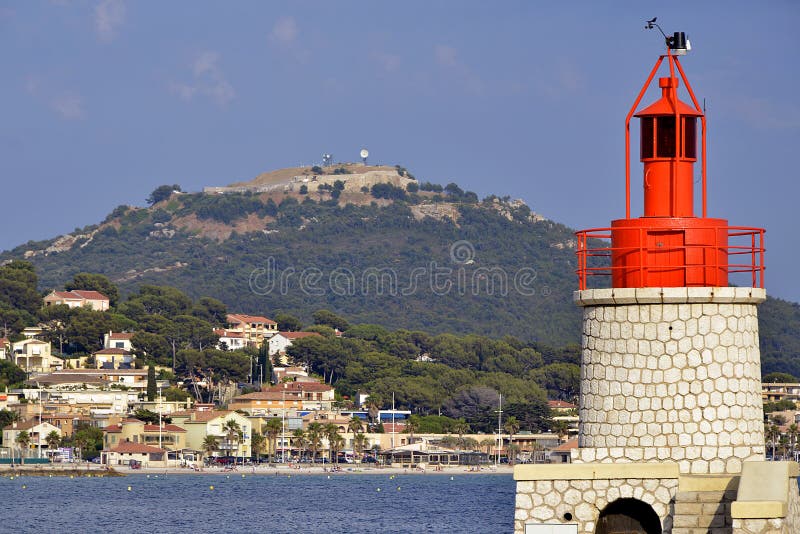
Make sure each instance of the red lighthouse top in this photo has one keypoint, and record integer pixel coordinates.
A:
(668, 246)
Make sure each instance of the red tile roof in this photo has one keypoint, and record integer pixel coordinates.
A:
(569, 445)
(90, 295)
(79, 294)
(560, 404)
(226, 333)
(112, 350)
(136, 448)
(242, 318)
(120, 335)
(298, 335)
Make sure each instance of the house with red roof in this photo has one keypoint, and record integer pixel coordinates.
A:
(254, 328)
(118, 340)
(78, 298)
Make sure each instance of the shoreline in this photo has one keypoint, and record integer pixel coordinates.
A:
(99, 471)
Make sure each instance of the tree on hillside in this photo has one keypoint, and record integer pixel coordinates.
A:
(151, 383)
(94, 282)
(162, 192)
(11, 375)
(288, 323)
(19, 297)
(326, 317)
(779, 378)
(210, 310)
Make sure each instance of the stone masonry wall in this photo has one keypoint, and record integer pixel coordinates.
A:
(776, 525)
(547, 501)
(671, 374)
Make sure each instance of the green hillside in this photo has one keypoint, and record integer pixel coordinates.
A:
(437, 260)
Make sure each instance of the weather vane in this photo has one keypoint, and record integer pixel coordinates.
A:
(678, 43)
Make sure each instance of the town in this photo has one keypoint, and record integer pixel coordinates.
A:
(121, 407)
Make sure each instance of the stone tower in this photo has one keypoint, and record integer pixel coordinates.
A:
(671, 435)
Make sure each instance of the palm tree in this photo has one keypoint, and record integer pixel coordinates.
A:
(487, 444)
(470, 444)
(314, 438)
(336, 442)
(233, 434)
(793, 430)
(561, 428)
(80, 441)
(53, 439)
(511, 451)
(412, 425)
(360, 443)
(272, 429)
(331, 431)
(374, 403)
(257, 443)
(23, 439)
(512, 427)
(299, 439)
(355, 425)
(461, 427)
(210, 444)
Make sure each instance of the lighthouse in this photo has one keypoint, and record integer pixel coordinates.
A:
(671, 431)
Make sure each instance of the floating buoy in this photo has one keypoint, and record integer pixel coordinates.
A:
(242, 476)
(211, 488)
(71, 476)
(379, 489)
(227, 476)
(24, 486)
(148, 476)
(329, 477)
(11, 478)
(129, 488)
(451, 478)
(398, 488)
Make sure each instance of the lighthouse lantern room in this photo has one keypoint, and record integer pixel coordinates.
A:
(669, 246)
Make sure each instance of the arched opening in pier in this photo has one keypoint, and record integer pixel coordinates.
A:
(628, 516)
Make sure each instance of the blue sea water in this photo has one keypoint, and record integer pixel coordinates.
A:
(348, 503)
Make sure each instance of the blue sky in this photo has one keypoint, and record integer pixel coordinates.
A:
(103, 101)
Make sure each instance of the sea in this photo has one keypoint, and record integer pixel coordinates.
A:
(234, 503)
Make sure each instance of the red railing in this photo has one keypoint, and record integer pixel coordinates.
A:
(744, 247)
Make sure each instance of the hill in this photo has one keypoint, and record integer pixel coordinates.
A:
(397, 253)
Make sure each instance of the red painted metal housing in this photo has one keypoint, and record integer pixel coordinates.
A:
(669, 246)
(699, 254)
